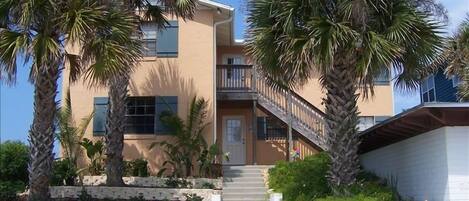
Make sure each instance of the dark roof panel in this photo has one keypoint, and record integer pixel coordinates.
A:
(413, 122)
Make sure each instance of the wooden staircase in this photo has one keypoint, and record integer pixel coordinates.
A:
(286, 105)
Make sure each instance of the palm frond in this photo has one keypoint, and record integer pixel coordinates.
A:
(13, 46)
(79, 19)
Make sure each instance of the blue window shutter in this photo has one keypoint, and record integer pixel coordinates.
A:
(261, 128)
(164, 104)
(167, 40)
(100, 114)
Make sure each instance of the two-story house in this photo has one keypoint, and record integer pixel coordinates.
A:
(439, 88)
(249, 119)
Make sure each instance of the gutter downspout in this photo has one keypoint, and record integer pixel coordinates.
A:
(215, 24)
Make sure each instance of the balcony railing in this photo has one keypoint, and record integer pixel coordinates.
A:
(234, 78)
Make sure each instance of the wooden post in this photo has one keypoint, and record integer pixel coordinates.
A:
(254, 114)
(290, 122)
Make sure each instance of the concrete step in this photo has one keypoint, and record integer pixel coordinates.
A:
(244, 167)
(243, 179)
(241, 174)
(258, 171)
(244, 199)
(243, 184)
(244, 196)
(245, 190)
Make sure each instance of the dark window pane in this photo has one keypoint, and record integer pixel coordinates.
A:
(140, 110)
(425, 97)
(140, 117)
(431, 95)
(150, 110)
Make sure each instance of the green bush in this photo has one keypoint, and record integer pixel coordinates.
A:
(9, 189)
(136, 168)
(64, 172)
(14, 161)
(193, 197)
(13, 169)
(304, 178)
(358, 197)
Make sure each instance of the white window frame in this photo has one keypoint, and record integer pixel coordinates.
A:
(241, 58)
(427, 85)
(455, 80)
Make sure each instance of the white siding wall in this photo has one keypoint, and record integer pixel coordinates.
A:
(430, 166)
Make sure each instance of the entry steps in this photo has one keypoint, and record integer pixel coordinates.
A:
(244, 183)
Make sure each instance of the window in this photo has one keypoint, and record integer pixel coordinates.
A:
(455, 79)
(383, 78)
(140, 115)
(428, 89)
(161, 43)
(149, 38)
(269, 128)
(365, 122)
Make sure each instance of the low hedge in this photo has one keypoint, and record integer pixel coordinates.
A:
(300, 179)
(306, 180)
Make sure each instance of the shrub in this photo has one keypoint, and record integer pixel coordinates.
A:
(94, 151)
(14, 161)
(136, 168)
(173, 182)
(63, 172)
(208, 185)
(193, 197)
(358, 197)
(368, 188)
(9, 189)
(84, 196)
(304, 178)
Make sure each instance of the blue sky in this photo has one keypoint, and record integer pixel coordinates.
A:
(16, 101)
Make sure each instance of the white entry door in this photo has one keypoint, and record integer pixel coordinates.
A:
(234, 140)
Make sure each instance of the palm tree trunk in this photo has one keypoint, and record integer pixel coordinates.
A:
(41, 134)
(342, 119)
(114, 137)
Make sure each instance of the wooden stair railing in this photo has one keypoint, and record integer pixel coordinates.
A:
(306, 118)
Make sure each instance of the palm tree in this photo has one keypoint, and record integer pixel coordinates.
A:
(35, 32)
(70, 134)
(456, 56)
(348, 43)
(118, 85)
(188, 142)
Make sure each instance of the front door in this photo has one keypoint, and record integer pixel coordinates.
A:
(234, 140)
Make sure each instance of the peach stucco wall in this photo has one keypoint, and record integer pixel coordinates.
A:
(237, 50)
(381, 104)
(185, 76)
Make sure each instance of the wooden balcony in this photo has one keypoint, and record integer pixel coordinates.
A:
(235, 82)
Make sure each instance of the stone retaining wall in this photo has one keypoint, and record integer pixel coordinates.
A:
(150, 181)
(102, 192)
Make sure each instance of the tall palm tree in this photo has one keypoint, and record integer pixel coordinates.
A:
(348, 43)
(156, 11)
(456, 56)
(35, 32)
